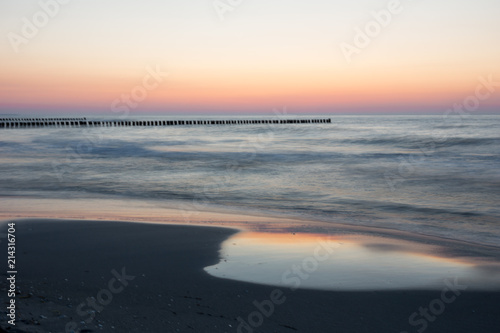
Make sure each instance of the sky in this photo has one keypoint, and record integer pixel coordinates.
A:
(242, 56)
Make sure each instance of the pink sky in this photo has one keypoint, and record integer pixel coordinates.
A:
(89, 58)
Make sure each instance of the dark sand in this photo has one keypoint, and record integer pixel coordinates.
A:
(63, 263)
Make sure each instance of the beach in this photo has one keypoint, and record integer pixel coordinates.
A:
(104, 276)
(250, 166)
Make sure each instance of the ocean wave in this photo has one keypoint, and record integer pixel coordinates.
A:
(424, 141)
(451, 184)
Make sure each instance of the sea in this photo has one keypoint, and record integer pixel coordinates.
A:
(433, 175)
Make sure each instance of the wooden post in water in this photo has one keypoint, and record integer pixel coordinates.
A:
(83, 122)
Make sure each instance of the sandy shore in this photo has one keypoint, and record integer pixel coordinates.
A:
(100, 276)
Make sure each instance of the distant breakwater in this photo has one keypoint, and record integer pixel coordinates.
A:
(83, 122)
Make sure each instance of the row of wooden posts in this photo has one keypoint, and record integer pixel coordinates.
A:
(83, 122)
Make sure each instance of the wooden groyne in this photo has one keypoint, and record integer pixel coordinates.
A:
(83, 122)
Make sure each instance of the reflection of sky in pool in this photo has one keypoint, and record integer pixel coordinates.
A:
(344, 263)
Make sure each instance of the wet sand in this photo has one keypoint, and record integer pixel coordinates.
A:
(96, 276)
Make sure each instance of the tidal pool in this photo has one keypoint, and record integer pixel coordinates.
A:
(348, 262)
